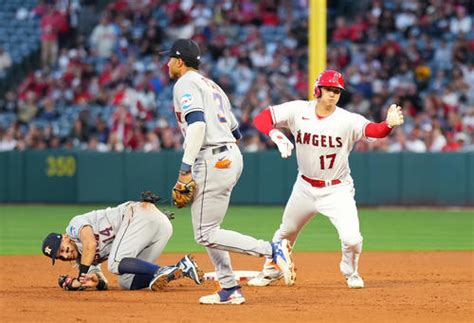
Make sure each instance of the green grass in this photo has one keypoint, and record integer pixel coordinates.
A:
(23, 227)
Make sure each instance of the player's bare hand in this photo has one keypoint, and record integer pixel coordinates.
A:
(89, 280)
(283, 143)
(394, 116)
(185, 178)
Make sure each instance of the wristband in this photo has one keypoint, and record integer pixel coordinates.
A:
(101, 285)
(83, 269)
(185, 168)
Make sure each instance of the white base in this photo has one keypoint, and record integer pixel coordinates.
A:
(240, 275)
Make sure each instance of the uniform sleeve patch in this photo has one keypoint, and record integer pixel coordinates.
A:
(71, 231)
(186, 101)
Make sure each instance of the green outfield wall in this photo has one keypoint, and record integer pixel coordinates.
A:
(445, 179)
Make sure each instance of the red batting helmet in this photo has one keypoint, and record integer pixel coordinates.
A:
(328, 78)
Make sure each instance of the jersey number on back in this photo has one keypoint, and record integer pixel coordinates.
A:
(323, 163)
(220, 106)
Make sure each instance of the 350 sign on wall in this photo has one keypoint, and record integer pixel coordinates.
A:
(59, 166)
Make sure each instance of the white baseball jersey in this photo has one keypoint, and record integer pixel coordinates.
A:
(194, 92)
(105, 224)
(322, 144)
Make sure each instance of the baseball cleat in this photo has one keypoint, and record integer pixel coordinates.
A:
(190, 269)
(282, 257)
(229, 296)
(164, 275)
(355, 281)
(270, 273)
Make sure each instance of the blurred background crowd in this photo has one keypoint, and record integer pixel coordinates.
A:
(101, 83)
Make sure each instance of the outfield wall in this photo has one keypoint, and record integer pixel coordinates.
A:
(91, 177)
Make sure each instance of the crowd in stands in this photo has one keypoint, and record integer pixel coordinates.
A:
(104, 85)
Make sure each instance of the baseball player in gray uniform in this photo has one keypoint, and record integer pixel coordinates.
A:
(131, 236)
(213, 161)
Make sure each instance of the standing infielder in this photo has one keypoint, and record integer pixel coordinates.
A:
(324, 135)
(131, 236)
(211, 166)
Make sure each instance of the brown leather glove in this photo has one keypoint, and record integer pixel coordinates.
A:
(183, 193)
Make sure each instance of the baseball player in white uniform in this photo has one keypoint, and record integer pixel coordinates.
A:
(213, 160)
(324, 136)
(131, 236)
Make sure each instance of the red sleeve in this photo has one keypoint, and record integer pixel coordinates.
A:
(377, 130)
(263, 121)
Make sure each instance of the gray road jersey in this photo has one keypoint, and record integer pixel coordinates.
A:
(194, 92)
(105, 224)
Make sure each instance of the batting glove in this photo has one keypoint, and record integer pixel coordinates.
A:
(284, 145)
(394, 116)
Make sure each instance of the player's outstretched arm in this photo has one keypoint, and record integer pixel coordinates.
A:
(383, 129)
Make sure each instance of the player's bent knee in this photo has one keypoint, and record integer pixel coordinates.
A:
(352, 241)
(205, 239)
(125, 281)
(113, 267)
(201, 240)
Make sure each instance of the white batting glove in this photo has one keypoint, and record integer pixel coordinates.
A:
(394, 116)
(284, 145)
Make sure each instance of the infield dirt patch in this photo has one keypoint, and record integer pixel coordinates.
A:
(400, 287)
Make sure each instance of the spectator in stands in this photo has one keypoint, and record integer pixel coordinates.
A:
(461, 23)
(152, 142)
(5, 61)
(9, 104)
(51, 22)
(398, 142)
(150, 43)
(100, 130)
(435, 140)
(464, 143)
(104, 38)
(28, 107)
(432, 76)
(7, 139)
(451, 143)
(79, 134)
(122, 127)
(415, 142)
(95, 145)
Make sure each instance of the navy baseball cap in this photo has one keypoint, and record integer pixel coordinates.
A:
(188, 51)
(51, 245)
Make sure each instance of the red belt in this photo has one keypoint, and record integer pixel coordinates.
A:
(320, 183)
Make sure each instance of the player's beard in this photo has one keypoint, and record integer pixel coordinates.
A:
(172, 75)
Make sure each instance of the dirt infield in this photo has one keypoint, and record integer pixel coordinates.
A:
(400, 287)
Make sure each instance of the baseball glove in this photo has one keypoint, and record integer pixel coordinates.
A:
(70, 283)
(183, 194)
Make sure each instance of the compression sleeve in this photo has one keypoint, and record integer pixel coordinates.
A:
(377, 130)
(264, 122)
(194, 138)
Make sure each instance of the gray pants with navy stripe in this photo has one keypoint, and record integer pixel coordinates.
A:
(143, 234)
(214, 186)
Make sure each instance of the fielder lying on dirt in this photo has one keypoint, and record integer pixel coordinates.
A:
(131, 236)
